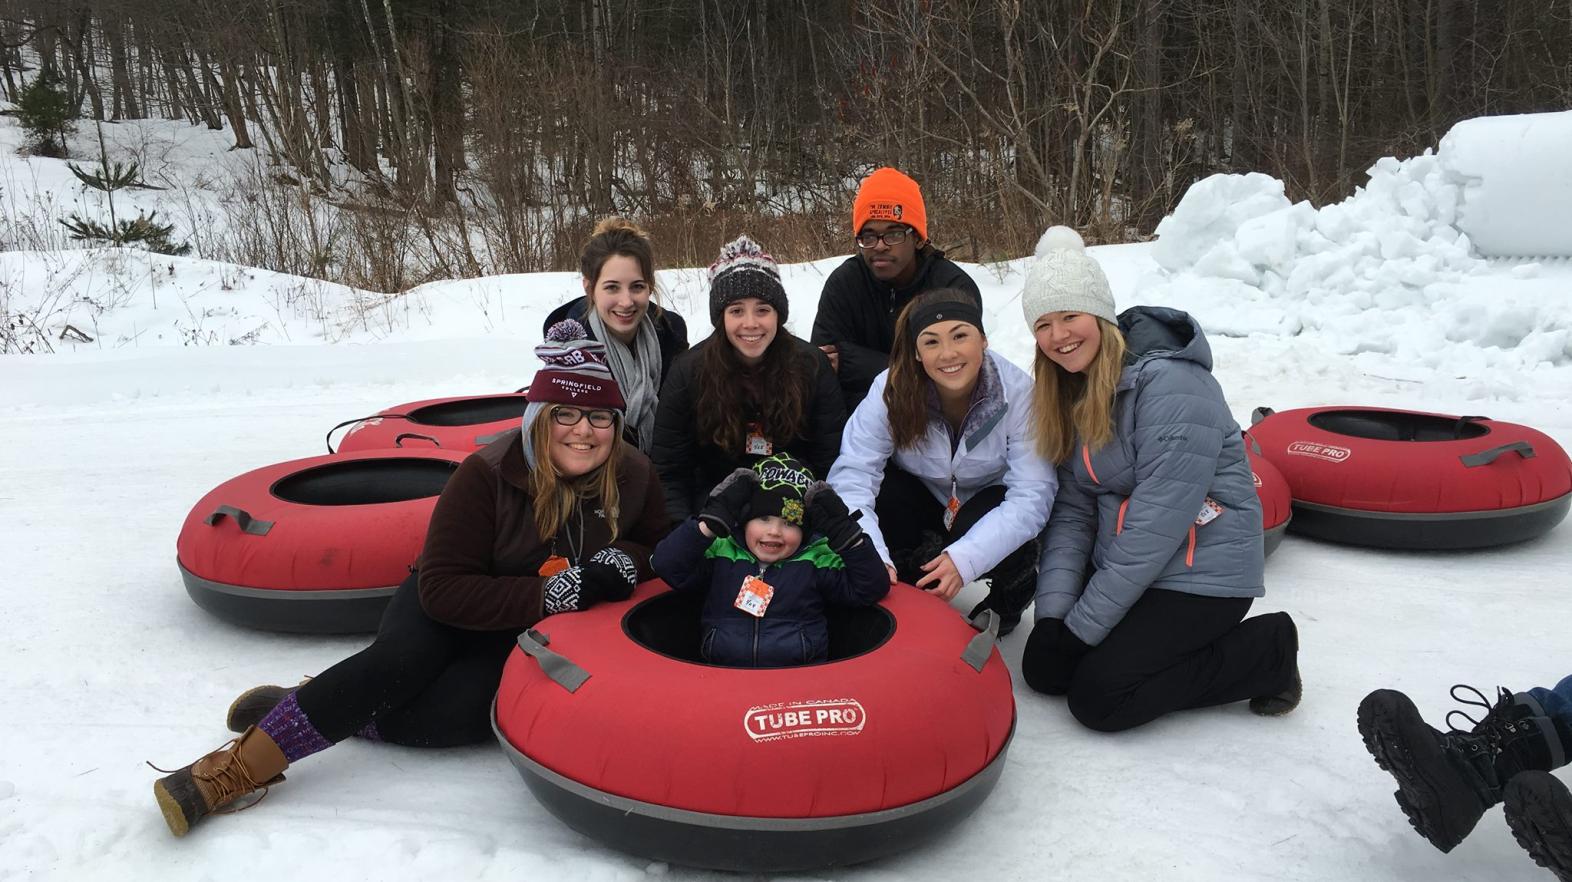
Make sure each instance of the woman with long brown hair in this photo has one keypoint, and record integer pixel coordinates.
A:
(750, 391)
(620, 308)
(552, 517)
(1153, 552)
(938, 460)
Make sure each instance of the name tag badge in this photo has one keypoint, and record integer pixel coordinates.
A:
(553, 565)
(951, 509)
(1210, 509)
(757, 444)
(754, 598)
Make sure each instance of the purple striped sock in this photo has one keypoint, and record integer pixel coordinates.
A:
(290, 729)
(369, 732)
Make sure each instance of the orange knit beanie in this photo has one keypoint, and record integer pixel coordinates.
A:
(888, 195)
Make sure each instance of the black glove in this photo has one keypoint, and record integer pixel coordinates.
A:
(727, 507)
(1051, 656)
(827, 514)
(609, 574)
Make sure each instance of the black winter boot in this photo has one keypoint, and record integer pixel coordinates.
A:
(1011, 586)
(1447, 780)
(1538, 808)
(1280, 703)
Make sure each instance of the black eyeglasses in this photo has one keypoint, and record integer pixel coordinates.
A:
(570, 416)
(868, 239)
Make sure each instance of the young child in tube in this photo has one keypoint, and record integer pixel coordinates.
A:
(772, 549)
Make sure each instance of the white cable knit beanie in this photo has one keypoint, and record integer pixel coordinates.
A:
(1062, 277)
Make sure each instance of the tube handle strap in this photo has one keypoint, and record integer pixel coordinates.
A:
(483, 440)
(1486, 457)
(242, 519)
(558, 667)
(386, 416)
(1260, 414)
(980, 647)
(398, 440)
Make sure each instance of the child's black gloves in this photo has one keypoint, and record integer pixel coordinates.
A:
(828, 515)
(727, 507)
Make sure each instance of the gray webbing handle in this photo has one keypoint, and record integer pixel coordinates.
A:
(1486, 457)
(483, 440)
(558, 667)
(981, 646)
(1260, 414)
(242, 518)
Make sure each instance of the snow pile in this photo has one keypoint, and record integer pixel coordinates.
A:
(1516, 178)
(1387, 270)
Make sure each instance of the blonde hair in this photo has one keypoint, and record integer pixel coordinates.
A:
(555, 496)
(1068, 406)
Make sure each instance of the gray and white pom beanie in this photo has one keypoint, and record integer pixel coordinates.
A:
(744, 269)
(1062, 277)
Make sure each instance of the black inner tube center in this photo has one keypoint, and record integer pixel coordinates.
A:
(669, 624)
(470, 411)
(1386, 425)
(366, 482)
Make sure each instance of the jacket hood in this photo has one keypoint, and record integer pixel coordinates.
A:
(1153, 332)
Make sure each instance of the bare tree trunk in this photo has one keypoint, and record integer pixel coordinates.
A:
(229, 88)
(123, 92)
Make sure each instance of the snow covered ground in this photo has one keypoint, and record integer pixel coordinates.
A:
(110, 664)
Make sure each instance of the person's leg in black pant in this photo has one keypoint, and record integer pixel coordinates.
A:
(456, 708)
(410, 651)
(1012, 583)
(911, 520)
(1174, 651)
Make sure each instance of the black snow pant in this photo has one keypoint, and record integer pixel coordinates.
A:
(912, 522)
(423, 683)
(1174, 651)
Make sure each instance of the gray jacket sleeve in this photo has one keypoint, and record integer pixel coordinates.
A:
(1067, 548)
(1177, 435)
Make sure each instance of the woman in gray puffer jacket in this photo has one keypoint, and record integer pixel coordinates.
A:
(1153, 552)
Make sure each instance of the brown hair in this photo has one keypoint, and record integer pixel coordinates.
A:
(777, 385)
(906, 387)
(1068, 406)
(554, 496)
(618, 237)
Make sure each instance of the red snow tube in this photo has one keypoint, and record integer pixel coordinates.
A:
(626, 737)
(463, 423)
(1272, 488)
(1414, 480)
(313, 545)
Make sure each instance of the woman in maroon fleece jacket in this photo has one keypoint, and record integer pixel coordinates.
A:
(551, 518)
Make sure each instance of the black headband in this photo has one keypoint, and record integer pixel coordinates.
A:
(941, 311)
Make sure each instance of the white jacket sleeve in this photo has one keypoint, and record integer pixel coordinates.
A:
(866, 447)
(1029, 487)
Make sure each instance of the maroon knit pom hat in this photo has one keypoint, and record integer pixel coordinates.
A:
(574, 370)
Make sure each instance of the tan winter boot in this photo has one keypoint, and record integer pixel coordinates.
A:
(244, 765)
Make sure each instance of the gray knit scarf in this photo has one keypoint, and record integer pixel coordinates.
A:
(637, 373)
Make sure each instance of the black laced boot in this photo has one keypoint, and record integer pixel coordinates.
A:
(1538, 808)
(1446, 780)
(1011, 586)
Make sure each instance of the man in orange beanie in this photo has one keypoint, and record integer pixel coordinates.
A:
(894, 262)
